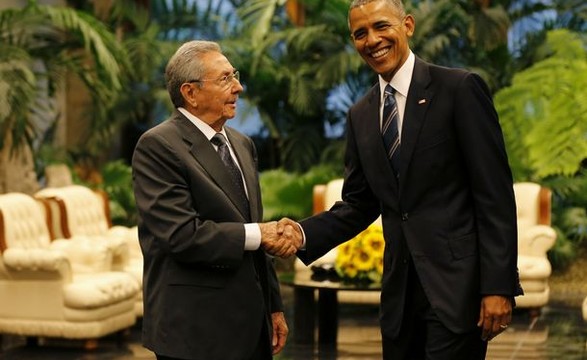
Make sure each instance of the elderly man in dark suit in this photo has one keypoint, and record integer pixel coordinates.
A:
(210, 291)
(425, 150)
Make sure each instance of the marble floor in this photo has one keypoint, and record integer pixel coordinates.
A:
(558, 334)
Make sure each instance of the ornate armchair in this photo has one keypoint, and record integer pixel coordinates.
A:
(60, 289)
(324, 196)
(79, 211)
(535, 238)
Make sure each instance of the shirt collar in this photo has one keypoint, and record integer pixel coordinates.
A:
(402, 78)
(201, 125)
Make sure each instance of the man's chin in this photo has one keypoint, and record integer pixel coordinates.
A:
(379, 67)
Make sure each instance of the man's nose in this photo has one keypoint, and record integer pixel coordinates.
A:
(372, 38)
(237, 87)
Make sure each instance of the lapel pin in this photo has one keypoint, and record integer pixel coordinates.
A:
(421, 101)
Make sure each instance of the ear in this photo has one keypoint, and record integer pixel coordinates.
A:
(410, 25)
(189, 91)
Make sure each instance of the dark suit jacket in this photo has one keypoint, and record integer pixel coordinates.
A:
(204, 296)
(452, 210)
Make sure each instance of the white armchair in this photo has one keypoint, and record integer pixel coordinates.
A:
(79, 211)
(535, 238)
(324, 196)
(57, 289)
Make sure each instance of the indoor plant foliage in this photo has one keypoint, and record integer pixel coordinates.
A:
(361, 258)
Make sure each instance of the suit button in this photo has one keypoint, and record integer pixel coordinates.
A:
(405, 217)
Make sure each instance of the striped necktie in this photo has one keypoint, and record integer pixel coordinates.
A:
(389, 128)
(235, 174)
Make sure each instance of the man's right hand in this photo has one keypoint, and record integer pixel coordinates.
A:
(282, 239)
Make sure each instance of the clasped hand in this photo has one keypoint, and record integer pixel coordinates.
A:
(282, 238)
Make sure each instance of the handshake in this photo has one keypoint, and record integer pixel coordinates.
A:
(281, 238)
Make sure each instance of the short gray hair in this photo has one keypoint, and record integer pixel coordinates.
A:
(185, 65)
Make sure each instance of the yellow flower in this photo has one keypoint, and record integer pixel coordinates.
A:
(351, 270)
(361, 258)
(343, 258)
(345, 249)
(379, 265)
(374, 242)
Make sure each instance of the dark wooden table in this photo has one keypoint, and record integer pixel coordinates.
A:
(305, 287)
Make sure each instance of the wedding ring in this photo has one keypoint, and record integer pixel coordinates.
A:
(503, 326)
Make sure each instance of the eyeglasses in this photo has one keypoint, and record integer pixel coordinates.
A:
(225, 80)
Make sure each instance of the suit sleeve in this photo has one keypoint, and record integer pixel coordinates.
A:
(483, 149)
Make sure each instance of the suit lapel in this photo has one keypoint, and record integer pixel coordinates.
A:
(417, 104)
(208, 158)
(249, 170)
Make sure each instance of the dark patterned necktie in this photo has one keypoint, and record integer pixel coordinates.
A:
(235, 174)
(389, 128)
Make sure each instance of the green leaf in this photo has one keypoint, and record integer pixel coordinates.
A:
(544, 112)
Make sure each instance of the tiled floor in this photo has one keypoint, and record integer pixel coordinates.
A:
(558, 334)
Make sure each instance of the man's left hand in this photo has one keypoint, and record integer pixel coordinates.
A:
(280, 331)
(495, 315)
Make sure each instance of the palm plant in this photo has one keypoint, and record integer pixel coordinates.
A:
(39, 44)
(544, 119)
(144, 97)
(544, 112)
(182, 20)
(464, 33)
(291, 70)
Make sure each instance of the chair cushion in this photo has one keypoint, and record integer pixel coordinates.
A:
(95, 290)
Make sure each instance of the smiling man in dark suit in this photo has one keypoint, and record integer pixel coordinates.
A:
(210, 291)
(425, 150)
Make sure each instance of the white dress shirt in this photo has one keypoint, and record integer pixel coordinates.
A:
(401, 83)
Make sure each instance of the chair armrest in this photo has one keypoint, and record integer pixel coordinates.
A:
(123, 232)
(116, 245)
(35, 259)
(85, 254)
(131, 236)
(36, 264)
(120, 250)
(536, 240)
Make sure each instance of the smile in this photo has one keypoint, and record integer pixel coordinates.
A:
(380, 53)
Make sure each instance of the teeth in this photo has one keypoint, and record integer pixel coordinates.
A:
(379, 53)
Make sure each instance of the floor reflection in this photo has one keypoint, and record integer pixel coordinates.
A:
(559, 333)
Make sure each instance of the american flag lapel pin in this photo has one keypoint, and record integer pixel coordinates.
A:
(421, 101)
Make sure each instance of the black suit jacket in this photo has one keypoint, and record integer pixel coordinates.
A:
(204, 296)
(452, 210)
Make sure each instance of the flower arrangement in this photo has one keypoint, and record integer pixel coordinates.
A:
(361, 258)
